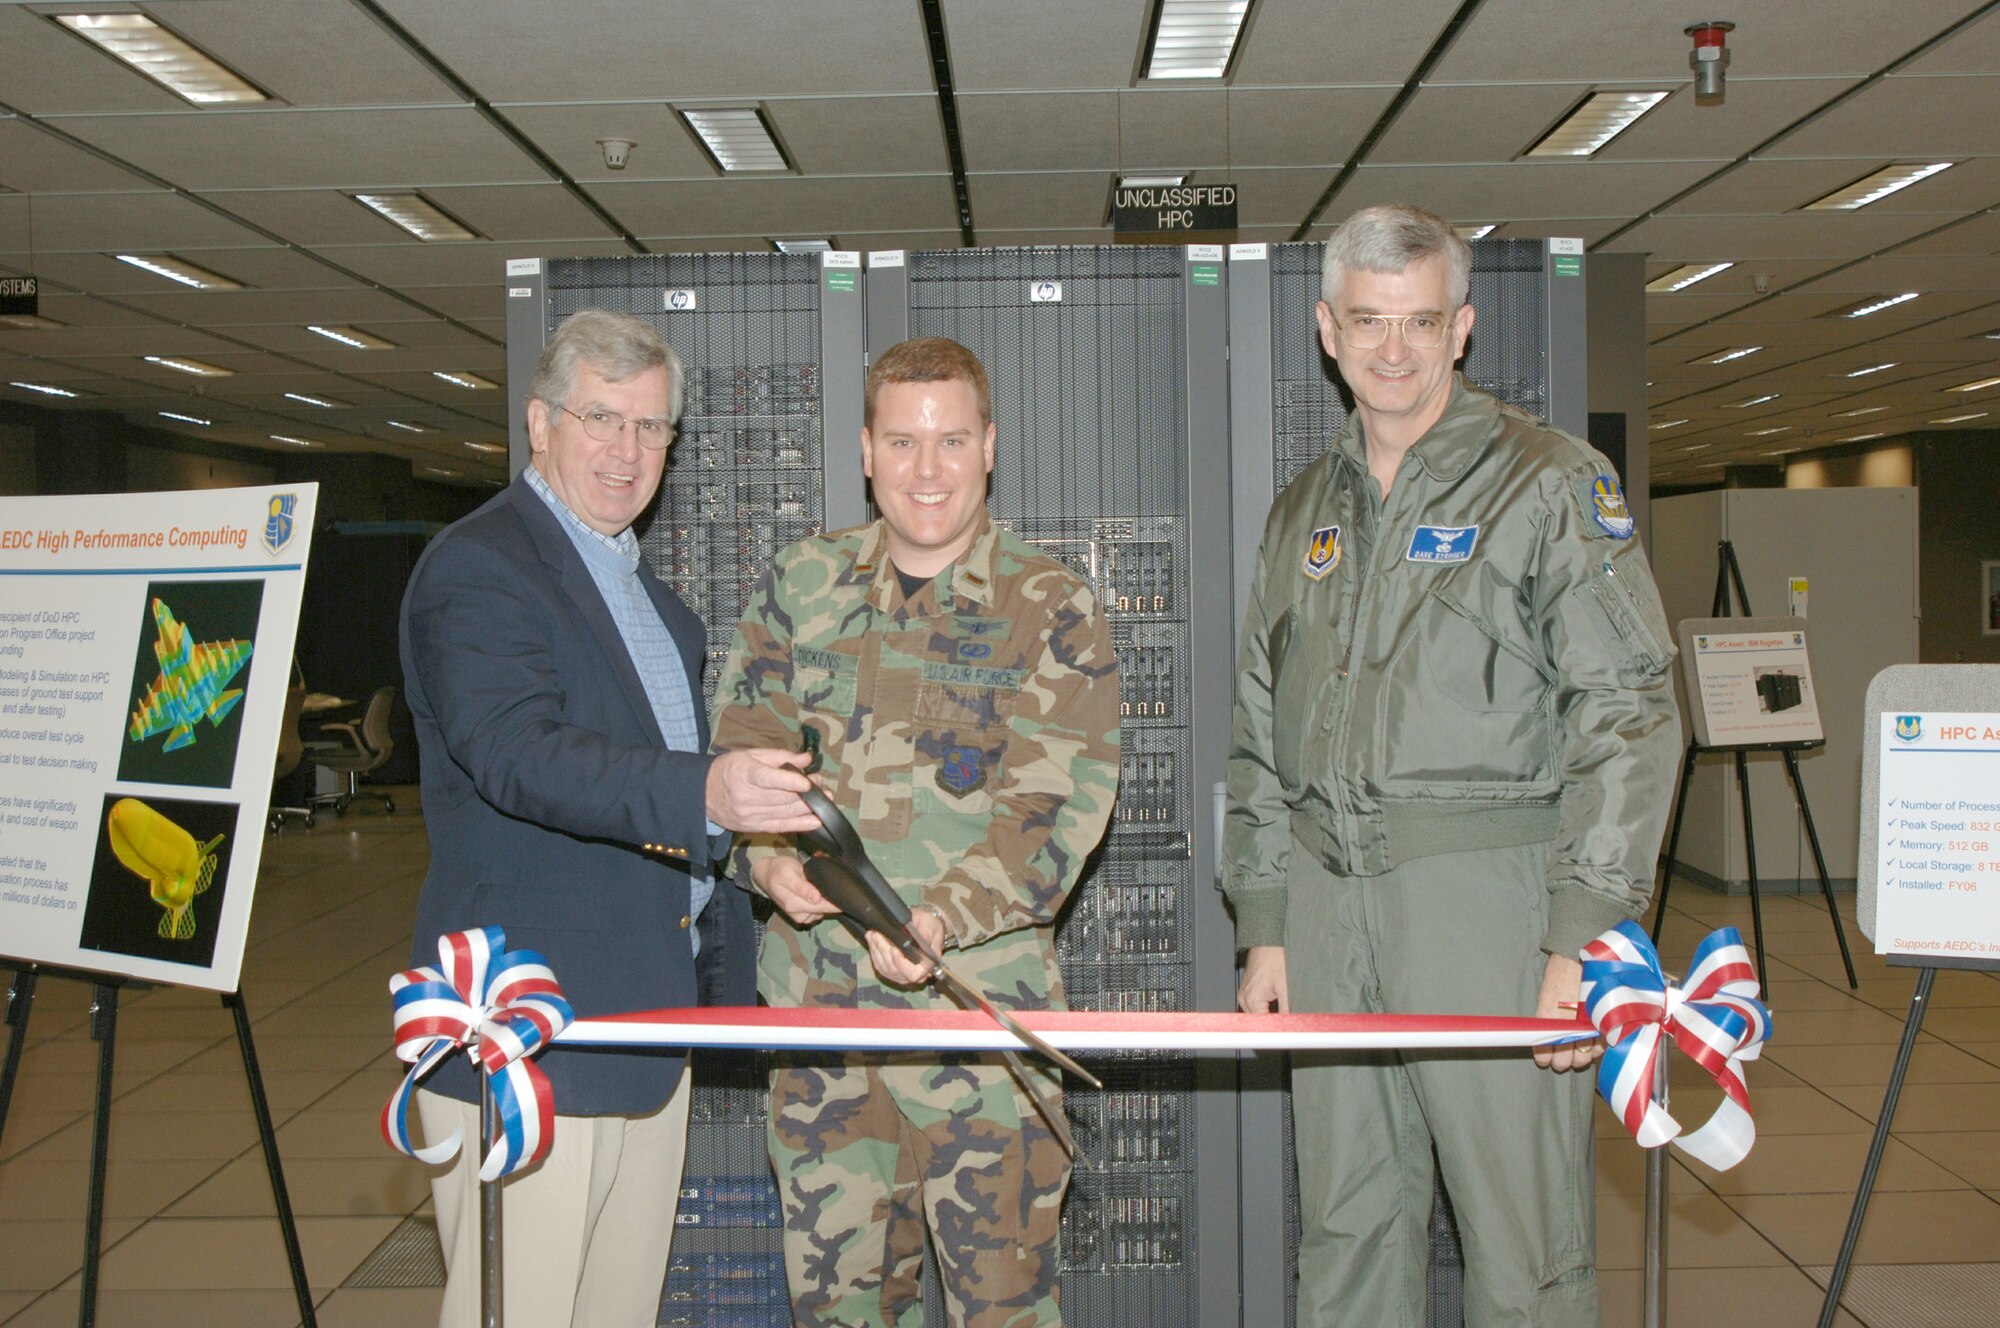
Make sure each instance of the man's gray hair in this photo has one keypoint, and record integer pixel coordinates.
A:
(616, 346)
(1389, 238)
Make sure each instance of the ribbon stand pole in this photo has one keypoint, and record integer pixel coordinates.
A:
(491, 1311)
(1656, 1216)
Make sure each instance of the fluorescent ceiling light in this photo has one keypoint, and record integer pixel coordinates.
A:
(1975, 386)
(408, 428)
(1862, 437)
(1960, 419)
(1754, 401)
(1152, 182)
(1873, 305)
(46, 389)
(1850, 414)
(164, 57)
(295, 442)
(1763, 433)
(485, 447)
(1696, 447)
(1469, 233)
(418, 215)
(28, 322)
(1666, 424)
(175, 269)
(352, 336)
(1687, 274)
(321, 402)
(1783, 451)
(1877, 185)
(1733, 353)
(736, 138)
(185, 419)
(1873, 368)
(438, 470)
(471, 380)
(1194, 38)
(803, 246)
(1598, 119)
(196, 367)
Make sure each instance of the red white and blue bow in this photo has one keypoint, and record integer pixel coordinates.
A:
(1715, 1018)
(503, 1007)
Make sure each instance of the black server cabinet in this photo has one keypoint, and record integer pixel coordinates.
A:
(1527, 348)
(1109, 393)
(772, 345)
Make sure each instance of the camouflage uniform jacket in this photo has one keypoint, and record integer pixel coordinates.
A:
(970, 733)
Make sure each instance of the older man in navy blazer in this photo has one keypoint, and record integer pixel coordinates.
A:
(556, 686)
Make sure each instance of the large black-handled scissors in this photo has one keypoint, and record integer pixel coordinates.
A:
(839, 868)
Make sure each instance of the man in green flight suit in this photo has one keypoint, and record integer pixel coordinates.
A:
(964, 694)
(1453, 748)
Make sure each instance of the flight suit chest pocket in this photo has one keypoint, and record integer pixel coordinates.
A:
(823, 681)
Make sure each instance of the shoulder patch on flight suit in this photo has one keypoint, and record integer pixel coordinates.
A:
(1323, 552)
(1442, 544)
(1603, 502)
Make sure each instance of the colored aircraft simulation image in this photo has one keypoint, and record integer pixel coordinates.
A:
(159, 878)
(193, 684)
(192, 669)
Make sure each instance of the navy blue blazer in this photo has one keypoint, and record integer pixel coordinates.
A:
(554, 807)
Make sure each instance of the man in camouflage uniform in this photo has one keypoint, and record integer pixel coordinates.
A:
(965, 696)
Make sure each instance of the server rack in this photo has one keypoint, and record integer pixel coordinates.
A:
(1527, 348)
(1151, 403)
(772, 345)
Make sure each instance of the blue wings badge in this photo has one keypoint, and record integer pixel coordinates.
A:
(1323, 553)
(279, 526)
(962, 771)
(1909, 727)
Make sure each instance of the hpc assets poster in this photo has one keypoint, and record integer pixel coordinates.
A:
(1938, 876)
(145, 650)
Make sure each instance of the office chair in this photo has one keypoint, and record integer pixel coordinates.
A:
(291, 750)
(366, 744)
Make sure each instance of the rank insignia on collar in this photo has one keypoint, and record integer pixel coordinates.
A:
(1323, 553)
(962, 771)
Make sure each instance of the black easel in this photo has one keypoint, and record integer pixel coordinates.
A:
(1927, 971)
(104, 1028)
(1728, 573)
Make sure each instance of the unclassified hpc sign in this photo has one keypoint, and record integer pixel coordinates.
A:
(1174, 209)
(19, 296)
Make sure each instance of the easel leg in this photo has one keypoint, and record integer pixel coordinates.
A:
(1837, 1282)
(261, 1106)
(20, 1000)
(1655, 1307)
(1674, 840)
(1819, 861)
(103, 1027)
(1750, 861)
(491, 1307)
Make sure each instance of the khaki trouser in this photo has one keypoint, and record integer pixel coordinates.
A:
(1455, 933)
(584, 1231)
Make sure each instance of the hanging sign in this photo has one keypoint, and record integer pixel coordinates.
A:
(1173, 212)
(20, 297)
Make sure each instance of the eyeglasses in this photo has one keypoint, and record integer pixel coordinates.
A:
(1420, 331)
(606, 425)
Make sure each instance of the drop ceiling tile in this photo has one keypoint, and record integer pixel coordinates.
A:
(1310, 41)
(1520, 189)
(789, 206)
(480, 264)
(863, 135)
(1301, 126)
(637, 49)
(52, 71)
(1039, 201)
(1478, 123)
(224, 309)
(1904, 118)
(34, 162)
(1754, 110)
(514, 214)
(1046, 44)
(1837, 235)
(314, 149)
(1049, 131)
(662, 148)
(310, 52)
(146, 222)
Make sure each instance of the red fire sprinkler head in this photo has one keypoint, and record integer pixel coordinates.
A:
(1708, 59)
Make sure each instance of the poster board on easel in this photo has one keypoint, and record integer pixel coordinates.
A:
(145, 651)
(1749, 682)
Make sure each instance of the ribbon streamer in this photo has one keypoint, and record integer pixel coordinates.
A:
(1715, 1018)
(503, 1007)
(507, 1007)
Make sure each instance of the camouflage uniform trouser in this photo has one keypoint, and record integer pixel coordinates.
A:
(867, 1148)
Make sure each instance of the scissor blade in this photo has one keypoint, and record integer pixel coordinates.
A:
(965, 991)
(1057, 1125)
